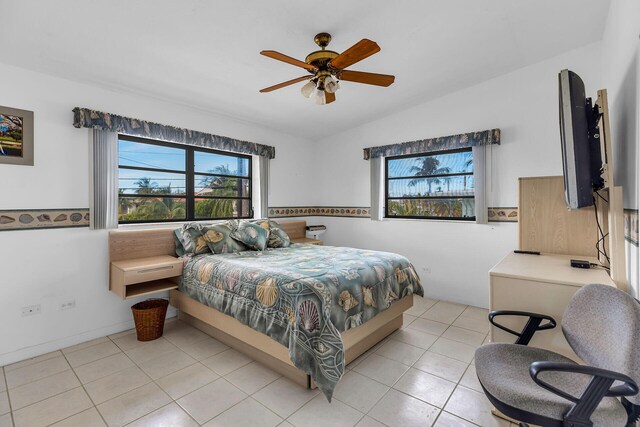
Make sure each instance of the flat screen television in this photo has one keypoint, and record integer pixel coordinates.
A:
(580, 136)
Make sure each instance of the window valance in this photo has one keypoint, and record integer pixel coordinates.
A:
(451, 142)
(84, 117)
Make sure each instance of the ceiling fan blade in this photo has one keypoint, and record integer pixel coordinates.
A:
(329, 97)
(366, 78)
(356, 53)
(284, 84)
(289, 60)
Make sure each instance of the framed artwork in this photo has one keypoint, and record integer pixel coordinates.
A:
(16, 136)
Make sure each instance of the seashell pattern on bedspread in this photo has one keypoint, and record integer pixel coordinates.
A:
(302, 296)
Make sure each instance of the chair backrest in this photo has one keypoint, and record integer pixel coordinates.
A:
(602, 325)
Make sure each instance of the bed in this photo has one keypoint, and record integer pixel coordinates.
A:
(304, 310)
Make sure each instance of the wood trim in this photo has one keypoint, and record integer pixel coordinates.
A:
(132, 244)
(273, 354)
(295, 229)
(307, 241)
(545, 223)
(615, 209)
(605, 141)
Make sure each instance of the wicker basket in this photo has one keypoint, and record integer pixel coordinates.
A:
(149, 318)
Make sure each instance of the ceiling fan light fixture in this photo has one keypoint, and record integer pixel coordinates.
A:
(307, 89)
(327, 69)
(320, 98)
(331, 85)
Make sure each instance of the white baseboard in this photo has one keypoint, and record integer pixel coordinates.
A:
(48, 347)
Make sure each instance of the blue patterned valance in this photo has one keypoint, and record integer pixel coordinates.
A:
(84, 117)
(451, 142)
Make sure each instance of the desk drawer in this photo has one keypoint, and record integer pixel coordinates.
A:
(153, 272)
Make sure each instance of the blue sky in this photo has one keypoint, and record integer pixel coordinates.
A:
(454, 186)
(155, 156)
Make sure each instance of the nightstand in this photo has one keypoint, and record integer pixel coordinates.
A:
(144, 276)
(307, 241)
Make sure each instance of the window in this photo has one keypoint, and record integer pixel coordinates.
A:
(438, 185)
(159, 182)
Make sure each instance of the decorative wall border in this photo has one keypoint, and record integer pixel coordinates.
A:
(30, 219)
(495, 214)
(502, 214)
(338, 211)
(631, 226)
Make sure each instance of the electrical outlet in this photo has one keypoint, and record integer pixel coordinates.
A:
(426, 270)
(31, 310)
(67, 305)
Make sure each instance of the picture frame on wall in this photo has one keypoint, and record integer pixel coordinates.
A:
(16, 136)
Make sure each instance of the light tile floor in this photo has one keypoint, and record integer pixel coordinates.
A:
(421, 375)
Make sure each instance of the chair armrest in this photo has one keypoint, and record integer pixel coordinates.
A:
(598, 388)
(627, 388)
(533, 325)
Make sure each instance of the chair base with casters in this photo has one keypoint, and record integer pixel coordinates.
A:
(538, 386)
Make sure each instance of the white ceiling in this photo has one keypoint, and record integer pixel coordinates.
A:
(204, 53)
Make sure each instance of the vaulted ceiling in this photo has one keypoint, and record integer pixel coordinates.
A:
(205, 53)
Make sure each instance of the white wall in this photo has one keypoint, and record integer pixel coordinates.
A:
(621, 59)
(49, 266)
(523, 104)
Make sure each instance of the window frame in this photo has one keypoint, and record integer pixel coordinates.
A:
(189, 174)
(416, 155)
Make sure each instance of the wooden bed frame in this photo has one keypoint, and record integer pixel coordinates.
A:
(147, 243)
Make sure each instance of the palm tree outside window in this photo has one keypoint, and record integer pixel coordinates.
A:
(438, 185)
(160, 182)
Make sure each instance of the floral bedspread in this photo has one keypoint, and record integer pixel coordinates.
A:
(302, 296)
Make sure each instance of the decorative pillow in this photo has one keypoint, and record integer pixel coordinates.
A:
(252, 235)
(189, 240)
(278, 238)
(218, 238)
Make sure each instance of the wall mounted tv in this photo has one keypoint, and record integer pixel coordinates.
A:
(580, 135)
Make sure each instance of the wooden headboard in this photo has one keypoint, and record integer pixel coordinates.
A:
(295, 229)
(131, 244)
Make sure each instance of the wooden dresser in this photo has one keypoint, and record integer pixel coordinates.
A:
(541, 284)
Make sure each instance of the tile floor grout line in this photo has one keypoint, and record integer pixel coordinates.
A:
(86, 392)
(333, 397)
(454, 390)
(39, 379)
(457, 384)
(385, 341)
(53, 356)
(164, 406)
(414, 397)
(48, 397)
(200, 388)
(84, 348)
(135, 388)
(265, 406)
(249, 396)
(6, 386)
(96, 360)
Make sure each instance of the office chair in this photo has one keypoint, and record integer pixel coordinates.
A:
(537, 386)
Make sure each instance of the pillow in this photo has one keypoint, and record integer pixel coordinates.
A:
(252, 235)
(278, 238)
(218, 238)
(189, 240)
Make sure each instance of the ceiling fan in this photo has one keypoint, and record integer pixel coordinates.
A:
(328, 67)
